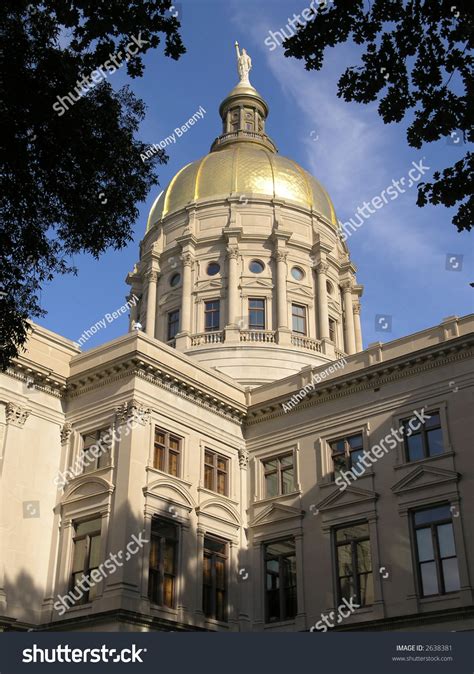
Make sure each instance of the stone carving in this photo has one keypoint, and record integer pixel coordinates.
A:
(65, 433)
(16, 415)
(243, 457)
(132, 410)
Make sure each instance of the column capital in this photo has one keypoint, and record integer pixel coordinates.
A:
(65, 433)
(347, 285)
(187, 259)
(243, 457)
(356, 307)
(233, 252)
(152, 276)
(280, 255)
(322, 267)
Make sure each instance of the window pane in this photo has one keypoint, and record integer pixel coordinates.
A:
(355, 531)
(208, 477)
(94, 554)
(220, 573)
(270, 465)
(344, 556)
(287, 481)
(168, 584)
(337, 446)
(446, 540)
(215, 546)
(432, 514)
(154, 553)
(415, 447)
(355, 456)
(424, 542)
(287, 460)
(221, 483)
(355, 441)
(88, 527)
(435, 442)
(429, 579)
(168, 561)
(163, 528)
(159, 437)
(173, 464)
(271, 485)
(366, 589)
(451, 575)
(339, 462)
(209, 458)
(174, 443)
(364, 559)
(280, 548)
(79, 555)
(221, 464)
(433, 421)
(347, 587)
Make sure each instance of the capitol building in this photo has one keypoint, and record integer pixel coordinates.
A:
(164, 480)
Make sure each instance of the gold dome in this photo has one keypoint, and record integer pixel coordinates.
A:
(242, 169)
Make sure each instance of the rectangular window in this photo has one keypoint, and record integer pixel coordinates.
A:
(257, 314)
(211, 315)
(426, 441)
(214, 582)
(354, 564)
(163, 563)
(173, 324)
(436, 551)
(280, 581)
(96, 449)
(86, 557)
(345, 452)
(216, 471)
(298, 318)
(332, 330)
(167, 452)
(279, 475)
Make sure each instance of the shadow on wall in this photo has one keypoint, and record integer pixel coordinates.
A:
(133, 559)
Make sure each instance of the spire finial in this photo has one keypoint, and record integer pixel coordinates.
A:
(244, 64)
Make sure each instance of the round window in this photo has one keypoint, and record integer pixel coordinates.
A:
(329, 287)
(297, 273)
(213, 268)
(256, 267)
(175, 280)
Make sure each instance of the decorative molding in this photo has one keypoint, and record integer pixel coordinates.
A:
(233, 252)
(16, 415)
(65, 433)
(152, 276)
(322, 268)
(280, 255)
(356, 307)
(133, 410)
(187, 259)
(347, 285)
(243, 458)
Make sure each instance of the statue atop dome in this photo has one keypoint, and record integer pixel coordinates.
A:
(244, 64)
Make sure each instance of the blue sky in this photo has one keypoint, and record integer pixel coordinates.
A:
(400, 251)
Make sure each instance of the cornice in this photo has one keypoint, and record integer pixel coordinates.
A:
(367, 378)
(138, 367)
(38, 377)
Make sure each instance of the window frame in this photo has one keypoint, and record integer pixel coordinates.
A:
(332, 322)
(216, 471)
(212, 313)
(348, 450)
(159, 571)
(304, 317)
(175, 323)
(354, 557)
(262, 311)
(97, 464)
(86, 568)
(213, 555)
(432, 525)
(279, 470)
(166, 445)
(423, 430)
(283, 599)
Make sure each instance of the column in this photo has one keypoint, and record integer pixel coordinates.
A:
(187, 260)
(349, 332)
(152, 278)
(323, 316)
(132, 299)
(232, 285)
(282, 298)
(357, 327)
